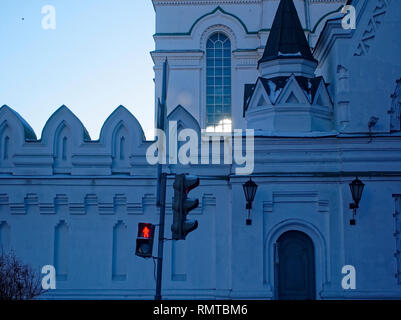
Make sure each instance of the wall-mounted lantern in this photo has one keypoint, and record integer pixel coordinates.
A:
(250, 188)
(356, 188)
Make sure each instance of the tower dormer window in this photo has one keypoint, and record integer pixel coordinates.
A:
(218, 83)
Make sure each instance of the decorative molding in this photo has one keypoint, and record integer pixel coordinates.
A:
(106, 209)
(83, 156)
(61, 205)
(77, 209)
(327, 38)
(218, 28)
(62, 199)
(395, 111)
(245, 59)
(323, 206)
(208, 200)
(47, 208)
(218, 2)
(267, 206)
(3, 199)
(343, 112)
(177, 59)
(217, 9)
(201, 2)
(148, 203)
(134, 209)
(373, 26)
(313, 30)
(17, 208)
(296, 197)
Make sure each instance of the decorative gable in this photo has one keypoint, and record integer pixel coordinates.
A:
(259, 99)
(184, 119)
(290, 104)
(322, 97)
(292, 93)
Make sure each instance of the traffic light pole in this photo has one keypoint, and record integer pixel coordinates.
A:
(162, 204)
(161, 186)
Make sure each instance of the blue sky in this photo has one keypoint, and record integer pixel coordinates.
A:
(96, 59)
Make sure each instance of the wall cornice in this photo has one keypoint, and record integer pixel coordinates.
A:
(201, 2)
(218, 2)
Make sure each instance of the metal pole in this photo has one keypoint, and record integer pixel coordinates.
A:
(162, 199)
(161, 186)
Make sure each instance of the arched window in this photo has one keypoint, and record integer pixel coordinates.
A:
(61, 250)
(218, 83)
(120, 252)
(5, 233)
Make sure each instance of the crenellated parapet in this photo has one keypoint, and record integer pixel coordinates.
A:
(62, 204)
(65, 146)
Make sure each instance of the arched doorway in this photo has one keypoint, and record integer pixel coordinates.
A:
(295, 267)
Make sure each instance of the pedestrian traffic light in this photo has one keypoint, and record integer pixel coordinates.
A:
(182, 205)
(144, 240)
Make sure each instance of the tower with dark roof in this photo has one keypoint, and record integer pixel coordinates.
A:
(287, 51)
(287, 96)
(286, 37)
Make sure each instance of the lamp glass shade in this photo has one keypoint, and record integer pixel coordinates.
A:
(356, 188)
(250, 188)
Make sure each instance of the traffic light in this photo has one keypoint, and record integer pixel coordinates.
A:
(144, 241)
(182, 205)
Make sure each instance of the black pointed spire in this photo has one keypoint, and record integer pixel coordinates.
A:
(287, 38)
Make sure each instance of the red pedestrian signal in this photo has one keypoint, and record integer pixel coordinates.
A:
(145, 232)
(144, 240)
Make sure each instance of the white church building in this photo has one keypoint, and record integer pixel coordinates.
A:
(324, 102)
